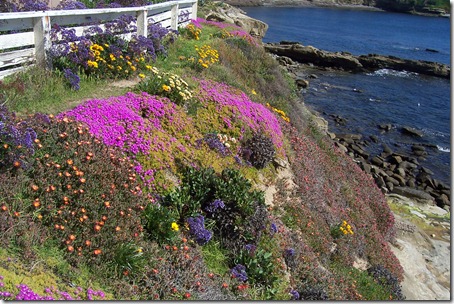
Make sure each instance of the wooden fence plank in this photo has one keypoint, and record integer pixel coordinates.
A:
(16, 57)
(10, 41)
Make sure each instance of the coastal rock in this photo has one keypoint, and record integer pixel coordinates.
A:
(348, 62)
(413, 193)
(223, 12)
(411, 131)
(376, 62)
(310, 54)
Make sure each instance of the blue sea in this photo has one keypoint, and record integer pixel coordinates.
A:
(366, 100)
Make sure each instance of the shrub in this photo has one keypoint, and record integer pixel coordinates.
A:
(313, 293)
(103, 53)
(259, 151)
(85, 193)
(385, 278)
(165, 84)
(158, 223)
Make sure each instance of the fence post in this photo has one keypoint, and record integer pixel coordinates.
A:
(142, 23)
(174, 17)
(194, 11)
(41, 31)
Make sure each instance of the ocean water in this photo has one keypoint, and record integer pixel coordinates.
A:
(366, 100)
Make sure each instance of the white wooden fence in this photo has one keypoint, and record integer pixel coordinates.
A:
(25, 37)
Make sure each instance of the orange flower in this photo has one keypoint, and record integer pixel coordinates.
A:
(97, 228)
(117, 228)
(16, 164)
(88, 243)
(107, 204)
(82, 180)
(35, 187)
(72, 237)
(70, 248)
(36, 204)
(97, 251)
(69, 162)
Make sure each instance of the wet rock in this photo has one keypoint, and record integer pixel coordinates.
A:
(389, 179)
(313, 76)
(411, 131)
(374, 138)
(399, 178)
(412, 193)
(302, 83)
(442, 201)
(385, 127)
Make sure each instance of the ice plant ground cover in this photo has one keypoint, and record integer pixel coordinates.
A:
(154, 195)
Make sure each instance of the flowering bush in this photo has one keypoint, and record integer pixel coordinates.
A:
(206, 56)
(166, 84)
(191, 32)
(103, 53)
(258, 151)
(159, 223)
(197, 230)
(79, 189)
(235, 114)
(227, 30)
(25, 293)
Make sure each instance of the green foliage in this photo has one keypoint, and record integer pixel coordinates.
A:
(158, 223)
(260, 266)
(128, 260)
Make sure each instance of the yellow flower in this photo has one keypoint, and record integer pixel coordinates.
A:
(112, 57)
(253, 92)
(92, 64)
(175, 226)
(166, 88)
(142, 75)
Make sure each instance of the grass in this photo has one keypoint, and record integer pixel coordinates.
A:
(47, 92)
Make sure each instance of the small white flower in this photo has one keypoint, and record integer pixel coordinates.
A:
(227, 145)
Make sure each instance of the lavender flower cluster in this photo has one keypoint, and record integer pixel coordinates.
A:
(215, 206)
(198, 231)
(17, 140)
(239, 272)
(214, 143)
(8, 6)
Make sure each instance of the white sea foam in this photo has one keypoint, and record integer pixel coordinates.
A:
(443, 149)
(390, 72)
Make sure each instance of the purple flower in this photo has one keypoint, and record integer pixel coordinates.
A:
(295, 295)
(289, 252)
(239, 272)
(273, 229)
(215, 205)
(70, 5)
(72, 78)
(198, 231)
(250, 248)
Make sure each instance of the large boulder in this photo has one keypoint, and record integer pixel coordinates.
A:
(223, 12)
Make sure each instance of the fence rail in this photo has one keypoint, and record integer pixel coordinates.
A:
(25, 37)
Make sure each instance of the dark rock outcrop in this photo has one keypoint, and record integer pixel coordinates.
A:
(348, 62)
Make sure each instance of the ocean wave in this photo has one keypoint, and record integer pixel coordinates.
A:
(443, 149)
(390, 72)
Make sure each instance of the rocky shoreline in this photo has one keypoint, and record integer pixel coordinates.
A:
(394, 172)
(347, 4)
